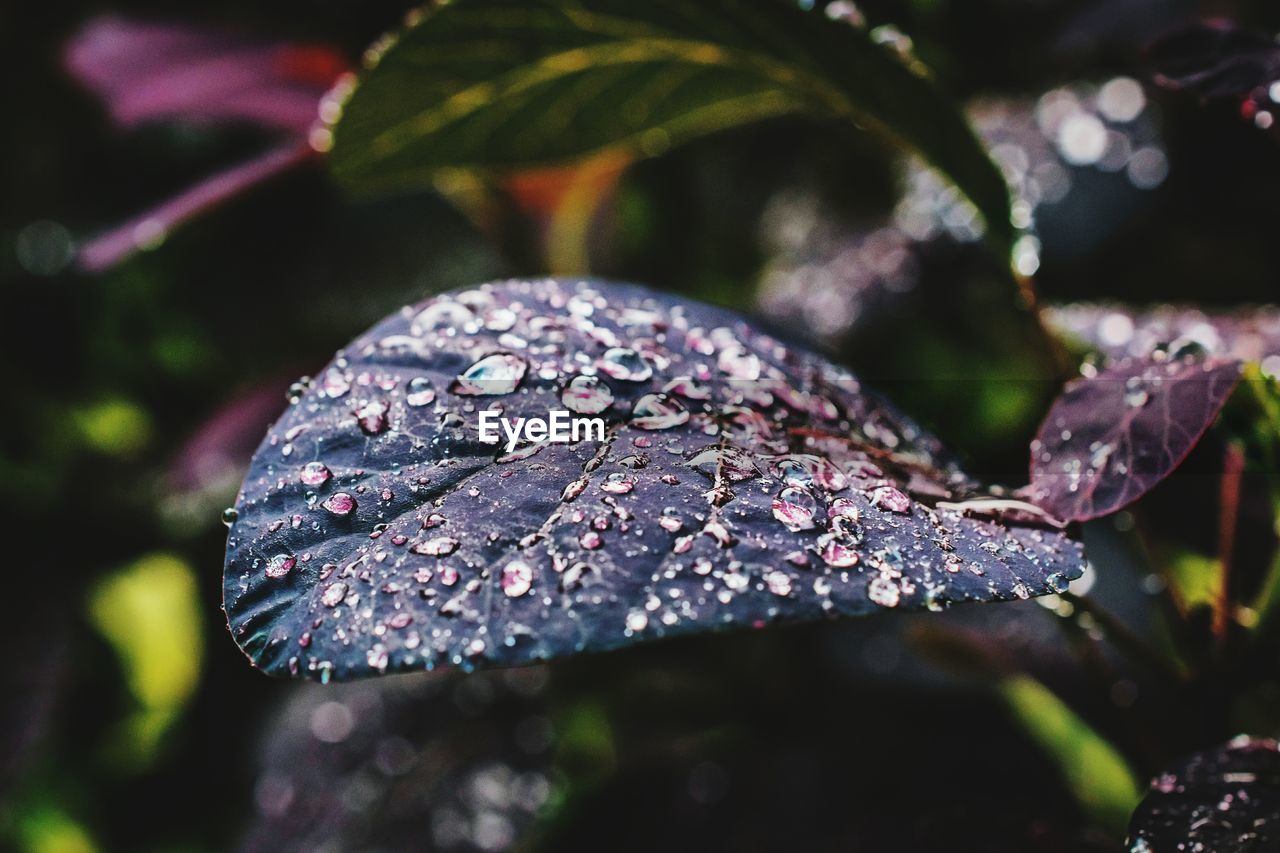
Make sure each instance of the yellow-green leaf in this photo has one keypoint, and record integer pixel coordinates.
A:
(1101, 780)
(506, 84)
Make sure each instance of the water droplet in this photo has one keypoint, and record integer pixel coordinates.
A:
(517, 578)
(419, 392)
(1135, 395)
(335, 383)
(617, 483)
(728, 461)
(658, 411)
(625, 364)
(340, 503)
(499, 373)
(779, 583)
(590, 540)
(794, 507)
(738, 363)
(438, 546)
(587, 395)
(297, 390)
(315, 474)
(372, 417)
(891, 498)
(637, 620)
(229, 516)
(884, 591)
(333, 594)
(444, 313)
(279, 565)
(670, 520)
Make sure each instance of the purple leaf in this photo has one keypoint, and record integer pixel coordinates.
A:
(145, 72)
(1118, 332)
(742, 481)
(1225, 799)
(1110, 438)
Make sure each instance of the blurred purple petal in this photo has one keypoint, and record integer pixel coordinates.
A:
(218, 452)
(151, 228)
(159, 71)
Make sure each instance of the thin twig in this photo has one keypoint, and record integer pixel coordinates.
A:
(1228, 512)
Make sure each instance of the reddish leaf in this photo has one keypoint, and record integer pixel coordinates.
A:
(1109, 438)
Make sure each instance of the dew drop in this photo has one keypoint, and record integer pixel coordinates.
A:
(625, 364)
(439, 546)
(586, 395)
(884, 591)
(372, 417)
(279, 565)
(333, 594)
(891, 498)
(340, 503)
(617, 483)
(499, 373)
(315, 474)
(517, 578)
(419, 392)
(795, 508)
(658, 411)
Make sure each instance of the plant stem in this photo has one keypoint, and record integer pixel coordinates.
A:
(1228, 514)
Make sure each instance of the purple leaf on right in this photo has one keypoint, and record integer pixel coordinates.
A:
(1224, 799)
(1110, 438)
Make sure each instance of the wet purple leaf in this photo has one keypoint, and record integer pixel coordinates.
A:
(1225, 799)
(741, 481)
(1110, 438)
(1118, 332)
(428, 763)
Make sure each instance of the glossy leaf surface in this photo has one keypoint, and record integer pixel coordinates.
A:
(741, 481)
(1108, 439)
(1225, 799)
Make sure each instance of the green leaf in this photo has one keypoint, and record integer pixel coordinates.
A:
(506, 84)
(1101, 780)
(150, 612)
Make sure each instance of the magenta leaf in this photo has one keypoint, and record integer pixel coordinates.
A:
(741, 481)
(158, 72)
(1108, 439)
(146, 72)
(1225, 799)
